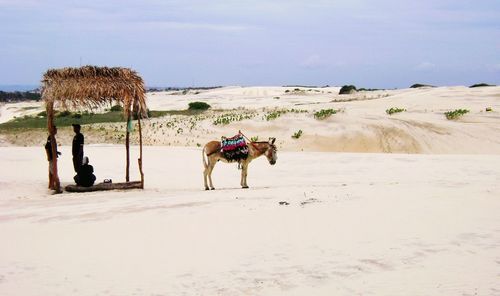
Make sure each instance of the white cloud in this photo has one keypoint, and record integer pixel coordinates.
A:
(194, 26)
(312, 61)
(425, 66)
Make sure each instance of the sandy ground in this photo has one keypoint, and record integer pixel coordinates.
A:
(355, 224)
(424, 222)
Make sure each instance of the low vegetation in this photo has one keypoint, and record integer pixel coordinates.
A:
(419, 85)
(116, 108)
(480, 85)
(198, 106)
(157, 89)
(296, 91)
(394, 110)
(272, 115)
(297, 134)
(18, 96)
(455, 113)
(347, 89)
(66, 118)
(324, 113)
(227, 118)
(369, 89)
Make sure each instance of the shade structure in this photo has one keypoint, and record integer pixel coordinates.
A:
(90, 87)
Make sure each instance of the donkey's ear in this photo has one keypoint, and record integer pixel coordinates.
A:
(272, 140)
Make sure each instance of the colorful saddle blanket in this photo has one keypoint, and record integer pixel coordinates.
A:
(234, 148)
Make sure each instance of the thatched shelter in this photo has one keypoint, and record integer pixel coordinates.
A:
(91, 87)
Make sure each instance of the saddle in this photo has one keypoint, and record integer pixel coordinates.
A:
(235, 148)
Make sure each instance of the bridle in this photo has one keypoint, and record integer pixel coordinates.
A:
(250, 141)
(255, 146)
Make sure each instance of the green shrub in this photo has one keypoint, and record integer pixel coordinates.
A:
(116, 108)
(347, 89)
(455, 113)
(254, 139)
(42, 114)
(199, 106)
(63, 114)
(480, 85)
(394, 110)
(418, 85)
(297, 134)
(324, 113)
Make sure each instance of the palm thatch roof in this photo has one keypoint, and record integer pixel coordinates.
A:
(93, 87)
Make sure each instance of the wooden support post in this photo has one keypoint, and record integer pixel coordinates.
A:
(127, 146)
(140, 151)
(54, 179)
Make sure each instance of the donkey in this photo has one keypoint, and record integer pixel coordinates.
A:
(212, 153)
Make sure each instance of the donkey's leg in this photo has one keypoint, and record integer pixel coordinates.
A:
(211, 165)
(244, 173)
(205, 175)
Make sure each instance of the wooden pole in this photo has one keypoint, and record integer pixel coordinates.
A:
(140, 151)
(127, 146)
(53, 144)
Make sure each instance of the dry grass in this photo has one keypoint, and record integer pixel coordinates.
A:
(93, 87)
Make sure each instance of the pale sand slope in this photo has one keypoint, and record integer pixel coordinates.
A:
(362, 124)
(10, 110)
(356, 224)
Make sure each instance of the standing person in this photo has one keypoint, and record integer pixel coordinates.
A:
(48, 151)
(77, 147)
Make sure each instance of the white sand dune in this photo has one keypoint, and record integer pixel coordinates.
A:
(362, 124)
(10, 110)
(355, 224)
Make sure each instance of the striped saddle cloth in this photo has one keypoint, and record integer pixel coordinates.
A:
(234, 148)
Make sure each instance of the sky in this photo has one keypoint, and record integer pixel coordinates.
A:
(368, 43)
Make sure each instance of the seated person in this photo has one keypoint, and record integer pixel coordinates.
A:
(85, 176)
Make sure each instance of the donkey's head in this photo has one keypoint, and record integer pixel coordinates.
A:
(271, 152)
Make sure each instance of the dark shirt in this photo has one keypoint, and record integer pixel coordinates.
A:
(48, 148)
(77, 147)
(85, 176)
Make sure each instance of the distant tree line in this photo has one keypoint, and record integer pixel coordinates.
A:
(17, 96)
(156, 89)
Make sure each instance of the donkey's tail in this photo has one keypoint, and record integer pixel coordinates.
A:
(204, 157)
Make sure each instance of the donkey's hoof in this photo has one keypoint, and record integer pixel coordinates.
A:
(206, 188)
(244, 187)
(212, 188)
